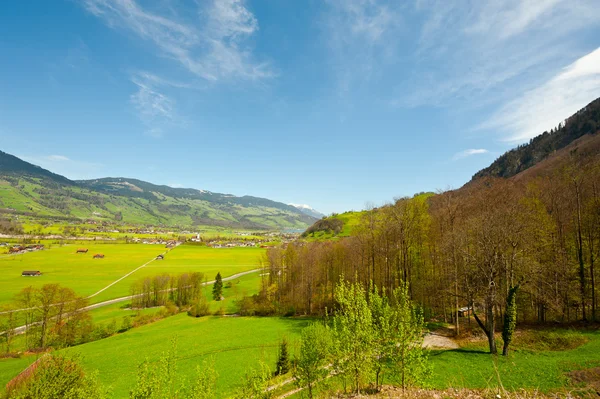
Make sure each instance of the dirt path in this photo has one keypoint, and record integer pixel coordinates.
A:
(440, 339)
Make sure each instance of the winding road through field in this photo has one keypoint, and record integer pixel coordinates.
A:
(22, 329)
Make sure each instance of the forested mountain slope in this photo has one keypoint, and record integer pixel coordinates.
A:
(29, 189)
(584, 122)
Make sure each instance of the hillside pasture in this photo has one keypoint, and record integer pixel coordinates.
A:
(236, 344)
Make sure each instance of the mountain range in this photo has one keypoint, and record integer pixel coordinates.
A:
(28, 189)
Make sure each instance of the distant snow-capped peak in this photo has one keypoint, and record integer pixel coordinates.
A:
(308, 210)
(302, 206)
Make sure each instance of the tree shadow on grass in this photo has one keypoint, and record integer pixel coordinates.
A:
(459, 350)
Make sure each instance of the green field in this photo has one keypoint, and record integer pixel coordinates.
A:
(78, 271)
(60, 264)
(236, 343)
(472, 367)
(190, 258)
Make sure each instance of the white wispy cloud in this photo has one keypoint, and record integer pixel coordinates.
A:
(468, 50)
(59, 158)
(360, 34)
(546, 106)
(155, 109)
(212, 47)
(468, 153)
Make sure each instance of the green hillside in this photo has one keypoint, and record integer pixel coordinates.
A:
(334, 226)
(29, 190)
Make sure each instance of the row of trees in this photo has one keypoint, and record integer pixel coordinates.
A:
(50, 315)
(181, 290)
(467, 248)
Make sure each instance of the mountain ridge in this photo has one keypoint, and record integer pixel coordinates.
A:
(29, 189)
(586, 121)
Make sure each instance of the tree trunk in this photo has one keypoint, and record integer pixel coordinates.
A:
(486, 327)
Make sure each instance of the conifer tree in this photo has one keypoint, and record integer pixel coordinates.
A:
(218, 287)
(283, 360)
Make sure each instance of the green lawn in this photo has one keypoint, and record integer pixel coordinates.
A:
(236, 343)
(87, 275)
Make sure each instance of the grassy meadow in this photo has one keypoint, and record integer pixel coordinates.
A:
(60, 264)
(236, 344)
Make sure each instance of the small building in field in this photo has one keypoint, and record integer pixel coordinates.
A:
(31, 273)
(99, 256)
(465, 312)
(16, 249)
(82, 250)
(160, 257)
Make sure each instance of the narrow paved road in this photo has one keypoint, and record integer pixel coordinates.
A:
(126, 298)
(22, 329)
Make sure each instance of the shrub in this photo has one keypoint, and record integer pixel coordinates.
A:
(57, 376)
(199, 308)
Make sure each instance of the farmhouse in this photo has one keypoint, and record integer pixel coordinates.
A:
(31, 273)
(82, 250)
(99, 256)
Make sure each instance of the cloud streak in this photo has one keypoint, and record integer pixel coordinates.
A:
(155, 109)
(359, 34)
(469, 50)
(215, 51)
(468, 153)
(546, 106)
(212, 46)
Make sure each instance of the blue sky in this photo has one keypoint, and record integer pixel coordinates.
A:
(331, 103)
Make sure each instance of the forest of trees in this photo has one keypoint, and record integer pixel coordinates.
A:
(464, 248)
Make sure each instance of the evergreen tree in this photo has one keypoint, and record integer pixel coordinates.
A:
(218, 287)
(283, 360)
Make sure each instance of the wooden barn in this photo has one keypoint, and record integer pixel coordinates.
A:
(98, 256)
(31, 273)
